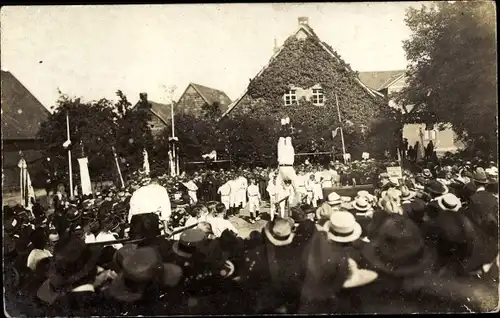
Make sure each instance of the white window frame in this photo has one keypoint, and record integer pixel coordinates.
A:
(317, 93)
(290, 97)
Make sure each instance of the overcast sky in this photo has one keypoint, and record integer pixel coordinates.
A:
(92, 51)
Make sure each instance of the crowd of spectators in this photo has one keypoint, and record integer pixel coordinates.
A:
(427, 242)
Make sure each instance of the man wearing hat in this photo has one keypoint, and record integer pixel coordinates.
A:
(150, 201)
(332, 204)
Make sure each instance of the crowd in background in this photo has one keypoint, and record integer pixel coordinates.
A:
(431, 235)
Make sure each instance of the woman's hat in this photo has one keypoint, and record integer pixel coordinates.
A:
(280, 231)
(188, 242)
(361, 204)
(399, 249)
(436, 187)
(342, 227)
(358, 277)
(426, 172)
(141, 267)
(334, 199)
(449, 202)
(345, 199)
(480, 176)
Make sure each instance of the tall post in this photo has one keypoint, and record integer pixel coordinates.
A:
(341, 129)
(118, 167)
(69, 158)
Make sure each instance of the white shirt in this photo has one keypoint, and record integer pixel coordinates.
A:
(219, 225)
(253, 192)
(152, 198)
(225, 189)
(89, 238)
(36, 256)
(286, 152)
(272, 189)
(104, 237)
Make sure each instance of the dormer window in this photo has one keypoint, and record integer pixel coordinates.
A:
(318, 99)
(290, 97)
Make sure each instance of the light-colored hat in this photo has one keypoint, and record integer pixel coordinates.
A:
(361, 204)
(407, 194)
(358, 277)
(334, 199)
(280, 231)
(449, 202)
(342, 227)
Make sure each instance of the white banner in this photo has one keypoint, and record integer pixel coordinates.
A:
(395, 172)
(27, 191)
(145, 165)
(85, 176)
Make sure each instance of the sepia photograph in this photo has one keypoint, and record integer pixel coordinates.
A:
(249, 159)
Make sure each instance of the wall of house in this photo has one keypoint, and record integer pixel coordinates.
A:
(156, 125)
(443, 140)
(191, 102)
(397, 86)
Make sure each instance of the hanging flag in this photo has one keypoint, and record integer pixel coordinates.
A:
(66, 144)
(145, 165)
(212, 155)
(85, 176)
(334, 132)
(27, 191)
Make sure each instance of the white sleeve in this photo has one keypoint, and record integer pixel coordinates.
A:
(133, 208)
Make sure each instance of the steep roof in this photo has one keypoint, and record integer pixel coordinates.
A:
(211, 95)
(162, 111)
(22, 113)
(308, 30)
(380, 80)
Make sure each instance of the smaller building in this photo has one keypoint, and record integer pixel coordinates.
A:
(389, 82)
(198, 99)
(160, 114)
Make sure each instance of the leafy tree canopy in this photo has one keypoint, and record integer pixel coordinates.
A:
(452, 73)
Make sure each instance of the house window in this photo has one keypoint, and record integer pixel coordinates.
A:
(318, 98)
(290, 97)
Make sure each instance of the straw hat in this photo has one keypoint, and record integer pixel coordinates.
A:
(449, 202)
(280, 231)
(342, 227)
(358, 277)
(334, 199)
(361, 204)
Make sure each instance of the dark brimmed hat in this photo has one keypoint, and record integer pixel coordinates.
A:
(141, 267)
(73, 214)
(72, 261)
(399, 250)
(189, 242)
(12, 225)
(279, 232)
(436, 187)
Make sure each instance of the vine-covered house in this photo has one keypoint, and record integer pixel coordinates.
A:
(304, 80)
(159, 114)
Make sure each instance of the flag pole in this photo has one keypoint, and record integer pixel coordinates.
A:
(118, 166)
(69, 158)
(340, 122)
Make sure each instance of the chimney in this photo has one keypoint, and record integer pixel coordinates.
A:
(303, 21)
(276, 48)
(143, 96)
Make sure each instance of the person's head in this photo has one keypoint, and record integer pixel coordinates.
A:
(220, 210)
(38, 238)
(199, 210)
(252, 181)
(206, 228)
(211, 207)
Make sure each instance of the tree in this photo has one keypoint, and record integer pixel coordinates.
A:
(452, 73)
(97, 126)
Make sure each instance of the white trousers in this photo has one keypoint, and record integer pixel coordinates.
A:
(224, 199)
(253, 205)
